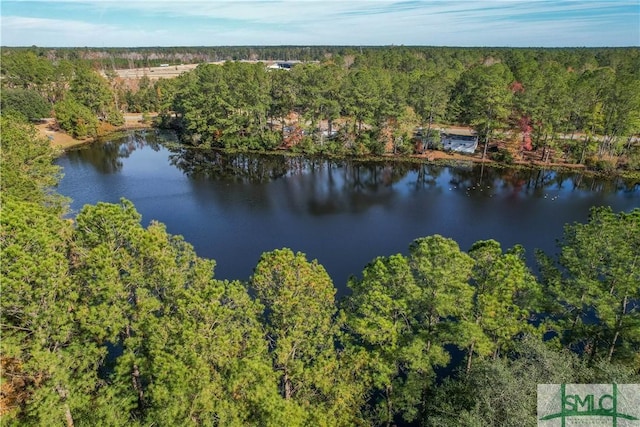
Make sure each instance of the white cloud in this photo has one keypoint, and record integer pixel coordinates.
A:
(22, 31)
(436, 22)
(21, 23)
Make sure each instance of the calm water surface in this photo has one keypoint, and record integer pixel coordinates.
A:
(232, 208)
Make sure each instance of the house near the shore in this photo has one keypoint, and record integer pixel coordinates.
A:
(460, 141)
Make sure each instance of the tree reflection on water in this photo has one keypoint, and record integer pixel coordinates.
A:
(105, 155)
(358, 176)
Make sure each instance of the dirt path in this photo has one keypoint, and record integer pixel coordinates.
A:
(58, 138)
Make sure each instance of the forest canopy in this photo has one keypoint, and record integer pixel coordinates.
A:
(106, 321)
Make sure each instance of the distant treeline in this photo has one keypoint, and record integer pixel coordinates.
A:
(573, 105)
(138, 57)
(107, 322)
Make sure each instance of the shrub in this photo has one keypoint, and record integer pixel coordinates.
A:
(600, 165)
(503, 156)
(27, 102)
(76, 119)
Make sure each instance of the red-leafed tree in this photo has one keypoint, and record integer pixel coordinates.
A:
(524, 124)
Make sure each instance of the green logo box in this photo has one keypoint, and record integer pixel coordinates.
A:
(573, 405)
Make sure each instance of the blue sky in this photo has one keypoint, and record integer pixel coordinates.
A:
(546, 23)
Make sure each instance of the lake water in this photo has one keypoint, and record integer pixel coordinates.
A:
(232, 208)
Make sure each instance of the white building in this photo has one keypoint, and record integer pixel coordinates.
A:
(463, 142)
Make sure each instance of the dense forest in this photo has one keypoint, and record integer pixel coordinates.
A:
(571, 106)
(106, 321)
(138, 57)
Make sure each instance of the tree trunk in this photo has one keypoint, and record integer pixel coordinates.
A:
(428, 135)
(67, 415)
(592, 352)
(389, 406)
(496, 352)
(618, 327)
(137, 385)
(135, 371)
(287, 386)
(578, 314)
(628, 146)
(544, 148)
(584, 150)
(469, 356)
(486, 145)
(63, 393)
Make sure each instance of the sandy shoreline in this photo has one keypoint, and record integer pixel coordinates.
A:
(63, 141)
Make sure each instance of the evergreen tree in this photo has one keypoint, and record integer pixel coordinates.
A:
(595, 284)
(49, 360)
(506, 298)
(27, 172)
(402, 313)
(299, 309)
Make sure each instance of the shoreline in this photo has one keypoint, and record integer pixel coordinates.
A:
(445, 158)
(61, 140)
